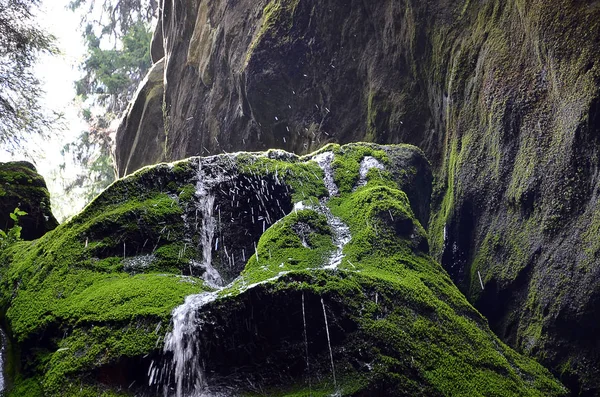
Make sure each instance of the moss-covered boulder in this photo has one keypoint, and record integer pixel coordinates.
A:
(253, 274)
(22, 187)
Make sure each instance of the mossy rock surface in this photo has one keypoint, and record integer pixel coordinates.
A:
(87, 306)
(22, 187)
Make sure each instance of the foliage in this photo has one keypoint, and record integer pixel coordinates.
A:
(21, 42)
(92, 150)
(14, 233)
(118, 57)
(117, 16)
(112, 75)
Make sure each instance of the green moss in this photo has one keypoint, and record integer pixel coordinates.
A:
(187, 192)
(346, 164)
(299, 241)
(26, 388)
(70, 288)
(95, 347)
(304, 180)
(277, 14)
(21, 186)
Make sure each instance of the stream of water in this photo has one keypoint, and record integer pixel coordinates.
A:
(2, 354)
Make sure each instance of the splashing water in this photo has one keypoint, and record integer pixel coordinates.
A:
(184, 343)
(185, 372)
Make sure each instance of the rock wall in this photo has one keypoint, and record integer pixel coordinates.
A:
(253, 75)
(518, 201)
(503, 97)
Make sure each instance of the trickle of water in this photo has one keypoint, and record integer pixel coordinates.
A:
(366, 164)
(329, 344)
(341, 232)
(341, 237)
(306, 346)
(2, 353)
(324, 160)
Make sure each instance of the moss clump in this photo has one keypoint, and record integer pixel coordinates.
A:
(301, 240)
(277, 14)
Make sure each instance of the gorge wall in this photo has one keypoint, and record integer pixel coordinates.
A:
(502, 96)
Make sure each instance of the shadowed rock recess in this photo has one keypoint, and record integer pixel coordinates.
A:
(502, 96)
(253, 274)
(22, 187)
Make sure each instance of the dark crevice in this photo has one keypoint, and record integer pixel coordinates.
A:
(457, 246)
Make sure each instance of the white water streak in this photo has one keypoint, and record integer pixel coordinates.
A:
(206, 203)
(329, 344)
(306, 346)
(184, 344)
(367, 163)
(341, 231)
(2, 353)
(324, 160)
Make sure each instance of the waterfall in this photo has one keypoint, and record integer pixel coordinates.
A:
(206, 206)
(183, 342)
(184, 374)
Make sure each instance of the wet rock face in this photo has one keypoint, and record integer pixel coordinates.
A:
(518, 204)
(254, 75)
(142, 128)
(21, 186)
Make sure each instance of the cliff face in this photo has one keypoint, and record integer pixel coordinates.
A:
(503, 97)
(254, 75)
(518, 202)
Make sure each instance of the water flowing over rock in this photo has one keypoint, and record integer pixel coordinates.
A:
(124, 298)
(2, 363)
